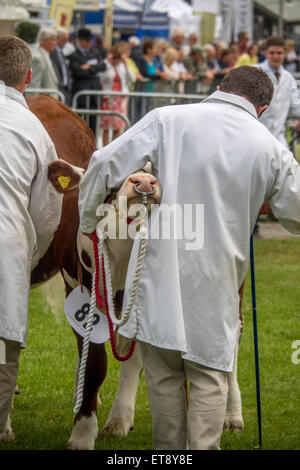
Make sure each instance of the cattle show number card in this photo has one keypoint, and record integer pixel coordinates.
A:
(77, 307)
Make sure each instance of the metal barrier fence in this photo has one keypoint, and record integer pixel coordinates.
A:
(86, 113)
(46, 91)
(138, 104)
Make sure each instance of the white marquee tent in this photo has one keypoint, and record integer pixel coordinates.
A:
(288, 9)
(16, 10)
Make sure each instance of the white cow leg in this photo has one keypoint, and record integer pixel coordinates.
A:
(121, 416)
(234, 419)
(84, 433)
(8, 434)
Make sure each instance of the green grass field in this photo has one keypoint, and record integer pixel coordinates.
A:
(42, 415)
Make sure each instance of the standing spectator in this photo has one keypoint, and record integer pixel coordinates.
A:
(193, 40)
(220, 46)
(162, 46)
(70, 46)
(195, 65)
(173, 76)
(184, 75)
(234, 50)
(85, 65)
(286, 97)
(131, 63)
(30, 209)
(177, 38)
(43, 72)
(243, 40)
(211, 60)
(148, 65)
(261, 52)
(60, 64)
(225, 64)
(136, 53)
(117, 77)
(248, 58)
(100, 46)
(116, 36)
(291, 59)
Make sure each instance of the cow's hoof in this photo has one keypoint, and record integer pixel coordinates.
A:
(79, 446)
(115, 427)
(8, 435)
(84, 433)
(234, 423)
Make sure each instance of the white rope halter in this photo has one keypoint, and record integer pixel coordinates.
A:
(102, 249)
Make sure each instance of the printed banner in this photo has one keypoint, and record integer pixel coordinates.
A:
(62, 12)
(108, 22)
(243, 18)
(87, 5)
(227, 16)
(206, 6)
(136, 20)
(207, 30)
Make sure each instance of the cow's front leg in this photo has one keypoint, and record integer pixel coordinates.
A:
(234, 419)
(121, 416)
(85, 429)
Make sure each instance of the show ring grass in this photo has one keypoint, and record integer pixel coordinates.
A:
(42, 417)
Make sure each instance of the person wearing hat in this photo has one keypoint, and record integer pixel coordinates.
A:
(85, 65)
(196, 66)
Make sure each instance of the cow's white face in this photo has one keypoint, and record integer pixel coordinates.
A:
(135, 184)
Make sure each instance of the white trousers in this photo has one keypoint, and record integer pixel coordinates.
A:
(8, 378)
(176, 425)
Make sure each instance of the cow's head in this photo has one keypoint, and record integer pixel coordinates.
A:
(66, 178)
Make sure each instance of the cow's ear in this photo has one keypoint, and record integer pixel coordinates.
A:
(63, 176)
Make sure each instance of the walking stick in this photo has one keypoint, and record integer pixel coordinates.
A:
(255, 340)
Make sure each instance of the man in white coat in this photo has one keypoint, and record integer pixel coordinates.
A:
(214, 156)
(30, 210)
(286, 99)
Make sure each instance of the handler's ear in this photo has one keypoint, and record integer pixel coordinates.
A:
(260, 109)
(28, 77)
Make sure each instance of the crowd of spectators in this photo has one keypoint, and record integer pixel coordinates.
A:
(180, 65)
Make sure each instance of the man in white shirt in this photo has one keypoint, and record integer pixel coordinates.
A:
(286, 99)
(30, 210)
(216, 159)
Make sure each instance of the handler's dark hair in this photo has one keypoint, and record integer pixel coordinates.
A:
(15, 60)
(274, 41)
(250, 82)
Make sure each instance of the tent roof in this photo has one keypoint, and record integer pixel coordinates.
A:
(16, 10)
(291, 8)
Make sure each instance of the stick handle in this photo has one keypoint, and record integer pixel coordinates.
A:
(255, 335)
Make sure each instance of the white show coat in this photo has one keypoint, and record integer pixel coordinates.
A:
(286, 100)
(214, 153)
(30, 208)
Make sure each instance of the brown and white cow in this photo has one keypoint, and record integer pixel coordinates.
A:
(70, 253)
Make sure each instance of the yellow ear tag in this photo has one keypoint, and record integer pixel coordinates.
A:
(64, 181)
